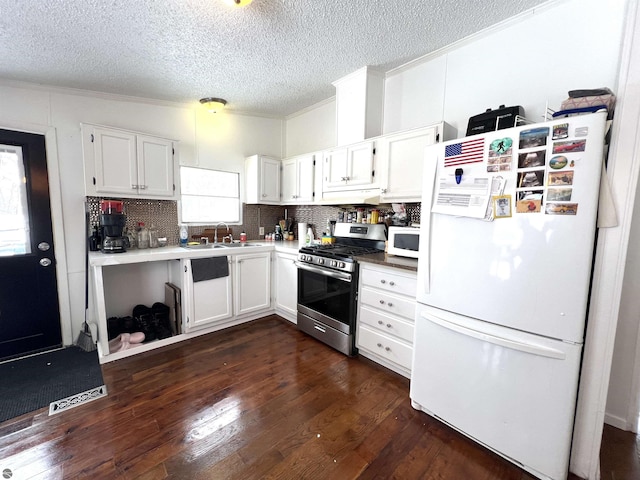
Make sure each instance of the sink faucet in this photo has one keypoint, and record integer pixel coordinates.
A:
(215, 235)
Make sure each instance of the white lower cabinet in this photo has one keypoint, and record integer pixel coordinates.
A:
(207, 302)
(252, 282)
(386, 311)
(285, 286)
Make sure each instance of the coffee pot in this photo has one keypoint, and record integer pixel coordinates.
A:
(112, 222)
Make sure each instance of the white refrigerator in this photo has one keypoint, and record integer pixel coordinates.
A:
(504, 272)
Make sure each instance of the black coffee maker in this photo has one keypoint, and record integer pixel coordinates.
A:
(112, 222)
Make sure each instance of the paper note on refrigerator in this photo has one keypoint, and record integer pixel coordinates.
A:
(469, 198)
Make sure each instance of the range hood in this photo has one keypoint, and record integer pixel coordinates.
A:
(358, 197)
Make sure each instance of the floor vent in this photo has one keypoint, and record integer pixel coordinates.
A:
(77, 399)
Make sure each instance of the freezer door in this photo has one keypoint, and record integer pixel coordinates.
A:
(511, 391)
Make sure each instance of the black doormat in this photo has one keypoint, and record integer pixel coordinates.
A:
(34, 382)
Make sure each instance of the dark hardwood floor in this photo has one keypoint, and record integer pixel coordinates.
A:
(261, 400)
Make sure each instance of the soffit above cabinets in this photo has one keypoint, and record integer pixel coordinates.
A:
(272, 57)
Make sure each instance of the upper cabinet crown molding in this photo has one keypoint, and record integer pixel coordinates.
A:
(129, 164)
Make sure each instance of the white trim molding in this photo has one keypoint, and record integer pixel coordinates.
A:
(611, 253)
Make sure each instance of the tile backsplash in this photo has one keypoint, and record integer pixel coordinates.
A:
(163, 214)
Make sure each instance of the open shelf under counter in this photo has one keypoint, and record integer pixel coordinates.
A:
(120, 281)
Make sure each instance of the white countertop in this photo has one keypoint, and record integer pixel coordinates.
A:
(175, 252)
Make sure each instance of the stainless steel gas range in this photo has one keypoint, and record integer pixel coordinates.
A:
(328, 284)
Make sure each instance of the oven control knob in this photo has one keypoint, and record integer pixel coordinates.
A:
(341, 265)
(321, 261)
(303, 257)
(334, 263)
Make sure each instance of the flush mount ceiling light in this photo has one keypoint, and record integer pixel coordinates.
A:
(214, 105)
(238, 3)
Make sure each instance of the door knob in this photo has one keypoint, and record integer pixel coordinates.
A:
(45, 262)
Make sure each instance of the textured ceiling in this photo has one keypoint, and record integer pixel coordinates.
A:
(274, 57)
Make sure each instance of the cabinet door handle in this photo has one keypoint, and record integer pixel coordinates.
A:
(135, 187)
(264, 194)
(380, 322)
(388, 325)
(392, 283)
(384, 190)
(381, 302)
(379, 345)
(143, 187)
(388, 349)
(390, 304)
(383, 281)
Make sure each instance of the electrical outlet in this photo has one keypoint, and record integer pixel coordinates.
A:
(261, 231)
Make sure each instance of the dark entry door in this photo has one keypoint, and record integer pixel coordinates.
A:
(29, 311)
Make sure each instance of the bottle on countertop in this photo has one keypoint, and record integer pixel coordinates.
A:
(131, 236)
(184, 235)
(375, 213)
(243, 237)
(153, 236)
(142, 236)
(309, 236)
(95, 240)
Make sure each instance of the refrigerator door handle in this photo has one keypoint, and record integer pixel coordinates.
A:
(503, 342)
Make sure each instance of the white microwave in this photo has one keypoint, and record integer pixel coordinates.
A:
(403, 241)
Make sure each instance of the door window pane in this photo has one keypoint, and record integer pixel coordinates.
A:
(14, 209)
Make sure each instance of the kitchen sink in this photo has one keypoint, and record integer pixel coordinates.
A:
(235, 245)
(201, 246)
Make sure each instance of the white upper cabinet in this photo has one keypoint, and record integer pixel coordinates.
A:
(298, 179)
(349, 168)
(401, 159)
(359, 102)
(128, 164)
(262, 179)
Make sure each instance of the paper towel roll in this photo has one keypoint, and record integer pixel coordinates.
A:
(302, 234)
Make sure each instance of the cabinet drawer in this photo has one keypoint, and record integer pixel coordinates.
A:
(389, 325)
(385, 302)
(384, 346)
(403, 285)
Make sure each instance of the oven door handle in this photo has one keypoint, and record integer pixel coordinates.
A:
(345, 277)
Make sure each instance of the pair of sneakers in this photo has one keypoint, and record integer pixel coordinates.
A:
(125, 341)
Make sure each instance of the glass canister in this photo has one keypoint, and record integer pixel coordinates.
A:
(359, 214)
(142, 236)
(153, 236)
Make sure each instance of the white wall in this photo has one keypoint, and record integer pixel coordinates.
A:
(221, 141)
(312, 129)
(530, 60)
